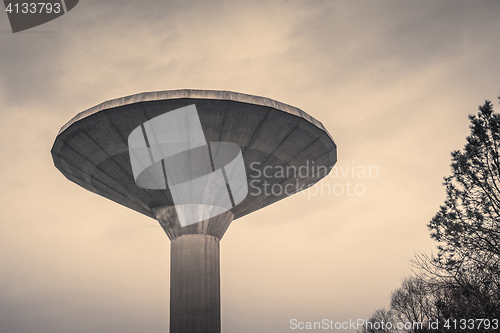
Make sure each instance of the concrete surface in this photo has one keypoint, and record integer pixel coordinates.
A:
(195, 285)
(92, 151)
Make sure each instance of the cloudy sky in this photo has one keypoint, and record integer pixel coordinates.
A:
(392, 81)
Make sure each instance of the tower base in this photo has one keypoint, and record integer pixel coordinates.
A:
(194, 271)
(195, 285)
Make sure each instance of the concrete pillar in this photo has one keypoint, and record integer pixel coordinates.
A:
(194, 271)
(195, 285)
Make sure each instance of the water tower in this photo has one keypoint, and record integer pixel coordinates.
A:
(194, 160)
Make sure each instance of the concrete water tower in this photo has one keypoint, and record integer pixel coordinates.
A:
(195, 160)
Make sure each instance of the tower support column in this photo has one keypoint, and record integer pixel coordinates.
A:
(194, 270)
(195, 284)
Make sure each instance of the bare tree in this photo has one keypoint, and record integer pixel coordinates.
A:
(381, 321)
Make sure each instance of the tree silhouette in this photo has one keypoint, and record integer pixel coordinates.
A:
(463, 280)
(468, 224)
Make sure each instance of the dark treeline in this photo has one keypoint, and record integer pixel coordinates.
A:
(458, 289)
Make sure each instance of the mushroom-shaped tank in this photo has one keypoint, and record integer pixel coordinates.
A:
(242, 152)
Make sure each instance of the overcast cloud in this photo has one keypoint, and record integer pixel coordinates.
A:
(392, 81)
